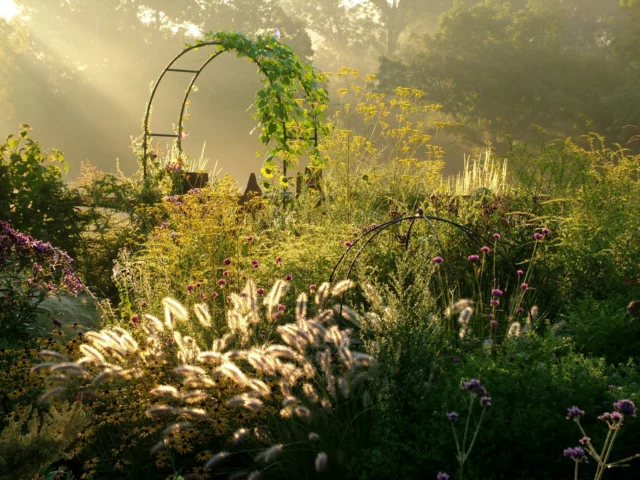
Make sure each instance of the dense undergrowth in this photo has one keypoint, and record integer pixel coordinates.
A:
(229, 347)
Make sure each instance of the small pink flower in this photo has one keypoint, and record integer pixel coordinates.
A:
(495, 302)
(437, 260)
(524, 286)
(249, 239)
(222, 282)
(225, 273)
(278, 260)
(520, 310)
(190, 288)
(312, 287)
(493, 324)
(538, 236)
(260, 291)
(281, 308)
(546, 231)
(227, 261)
(473, 258)
(214, 294)
(288, 277)
(347, 244)
(135, 319)
(520, 273)
(491, 316)
(496, 236)
(485, 249)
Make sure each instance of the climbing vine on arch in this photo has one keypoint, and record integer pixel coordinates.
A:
(290, 104)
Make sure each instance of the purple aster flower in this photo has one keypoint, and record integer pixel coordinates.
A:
(437, 260)
(523, 286)
(577, 454)
(485, 249)
(485, 401)
(520, 273)
(496, 236)
(538, 236)
(452, 416)
(474, 386)
(625, 407)
(260, 291)
(493, 324)
(496, 292)
(227, 261)
(574, 412)
(288, 277)
(442, 476)
(222, 282)
(473, 258)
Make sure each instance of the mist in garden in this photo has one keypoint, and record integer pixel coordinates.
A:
(84, 69)
(319, 239)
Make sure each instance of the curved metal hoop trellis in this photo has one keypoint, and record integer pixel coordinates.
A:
(195, 74)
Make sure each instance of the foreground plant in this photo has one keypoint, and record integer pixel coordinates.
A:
(271, 396)
(475, 389)
(614, 420)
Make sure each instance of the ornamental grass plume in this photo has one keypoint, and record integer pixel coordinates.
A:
(260, 389)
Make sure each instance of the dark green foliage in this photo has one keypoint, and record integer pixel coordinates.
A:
(532, 381)
(33, 196)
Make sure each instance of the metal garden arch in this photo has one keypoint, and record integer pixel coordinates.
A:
(148, 135)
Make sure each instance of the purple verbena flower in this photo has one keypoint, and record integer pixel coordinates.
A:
(584, 440)
(545, 230)
(227, 261)
(288, 277)
(523, 286)
(520, 273)
(496, 292)
(135, 319)
(190, 288)
(442, 476)
(453, 416)
(474, 386)
(625, 407)
(577, 454)
(574, 412)
(493, 324)
(260, 291)
(538, 236)
(473, 258)
(485, 401)
(496, 236)
(495, 302)
(437, 260)
(485, 249)
(222, 282)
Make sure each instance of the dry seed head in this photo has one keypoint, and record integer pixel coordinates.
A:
(321, 462)
(159, 410)
(52, 354)
(461, 304)
(52, 393)
(277, 351)
(194, 413)
(92, 352)
(325, 316)
(310, 393)
(314, 437)
(343, 385)
(349, 314)
(515, 329)
(173, 309)
(67, 367)
(301, 307)
(302, 412)
(176, 428)
(190, 370)
(210, 357)
(342, 287)
(216, 459)
(195, 396)
(154, 322)
(361, 359)
(157, 447)
(42, 366)
(322, 294)
(465, 316)
(260, 387)
(232, 372)
(289, 400)
(60, 379)
(270, 454)
(202, 314)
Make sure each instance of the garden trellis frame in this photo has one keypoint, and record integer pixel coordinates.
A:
(170, 68)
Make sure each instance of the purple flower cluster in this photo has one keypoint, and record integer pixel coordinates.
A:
(173, 167)
(625, 407)
(442, 476)
(453, 416)
(473, 258)
(577, 454)
(574, 412)
(474, 386)
(437, 260)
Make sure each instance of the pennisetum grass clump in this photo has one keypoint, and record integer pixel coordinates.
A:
(295, 386)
